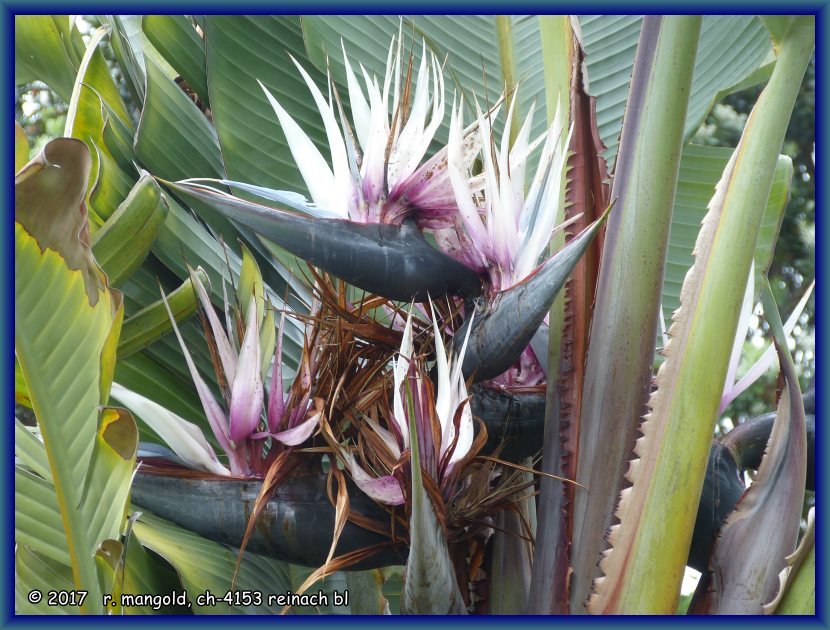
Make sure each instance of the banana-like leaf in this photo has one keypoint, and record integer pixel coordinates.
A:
(252, 142)
(152, 322)
(700, 170)
(762, 532)
(430, 586)
(118, 142)
(731, 48)
(175, 37)
(204, 565)
(175, 139)
(124, 241)
(85, 120)
(47, 48)
(108, 479)
(21, 147)
(21, 390)
(126, 41)
(43, 559)
(668, 474)
(136, 48)
(37, 520)
(64, 317)
(618, 365)
(146, 573)
(29, 449)
(34, 571)
(254, 149)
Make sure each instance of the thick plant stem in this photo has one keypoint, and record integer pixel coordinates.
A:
(547, 590)
(669, 473)
(621, 348)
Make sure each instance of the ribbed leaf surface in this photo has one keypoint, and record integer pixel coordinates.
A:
(204, 565)
(700, 170)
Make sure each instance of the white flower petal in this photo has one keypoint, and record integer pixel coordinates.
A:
(399, 374)
(299, 434)
(385, 489)
(342, 193)
(247, 393)
(444, 393)
(183, 437)
(457, 171)
(316, 172)
(227, 353)
(359, 106)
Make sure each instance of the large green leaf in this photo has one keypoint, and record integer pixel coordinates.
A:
(177, 40)
(64, 318)
(152, 322)
(34, 571)
(253, 145)
(204, 565)
(700, 170)
(47, 48)
(731, 48)
(108, 480)
(37, 519)
(174, 139)
(85, 120)
(132, 47)
(124, 241)
(465, 41)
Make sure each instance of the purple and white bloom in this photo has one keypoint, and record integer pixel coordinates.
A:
(377, 174)
(288, 421)
(413, 402)
(503, 231)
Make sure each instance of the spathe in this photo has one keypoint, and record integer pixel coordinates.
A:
(394, 261)
(505, 325)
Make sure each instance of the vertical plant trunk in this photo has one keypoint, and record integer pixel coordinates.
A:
(645, 567)
(621, 350)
